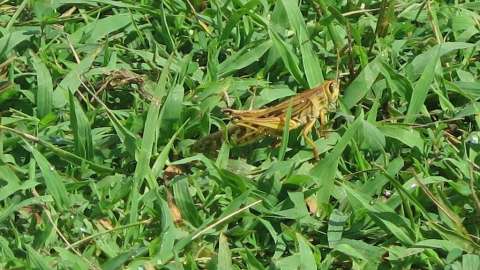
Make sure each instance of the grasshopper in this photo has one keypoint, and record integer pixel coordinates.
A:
(306, 108)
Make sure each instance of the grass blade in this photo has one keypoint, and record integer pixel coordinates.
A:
(336, 223)
(285, 135)
(224, 254)
(184, 201)
(9, 41)
(420, 90)
(72, 80)
(289, 59)
(82, 134)
(311, 65)
(324, 172)
(244, 57)
(362, 84)
(52, 179)
(44, 94)
(94, 31)
(307, 260)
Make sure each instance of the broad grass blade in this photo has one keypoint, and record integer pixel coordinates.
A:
(362, 84)
(290, 60)
(72, 80)
(311, 65)
(324, 172)
(82, 134)
(53, 181)
(44, 94)
(420, 90)
(224, 254)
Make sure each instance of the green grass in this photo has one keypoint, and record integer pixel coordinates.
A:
(101, 101)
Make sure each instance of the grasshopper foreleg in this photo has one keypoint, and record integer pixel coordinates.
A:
(307, 129)
(323, 123)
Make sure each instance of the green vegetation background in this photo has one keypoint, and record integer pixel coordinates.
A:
(100, 102)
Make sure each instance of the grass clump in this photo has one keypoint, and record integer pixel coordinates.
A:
(101, 101)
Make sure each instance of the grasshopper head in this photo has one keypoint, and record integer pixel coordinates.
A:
(332, 91)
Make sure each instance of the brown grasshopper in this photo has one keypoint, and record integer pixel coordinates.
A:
(306, 108)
